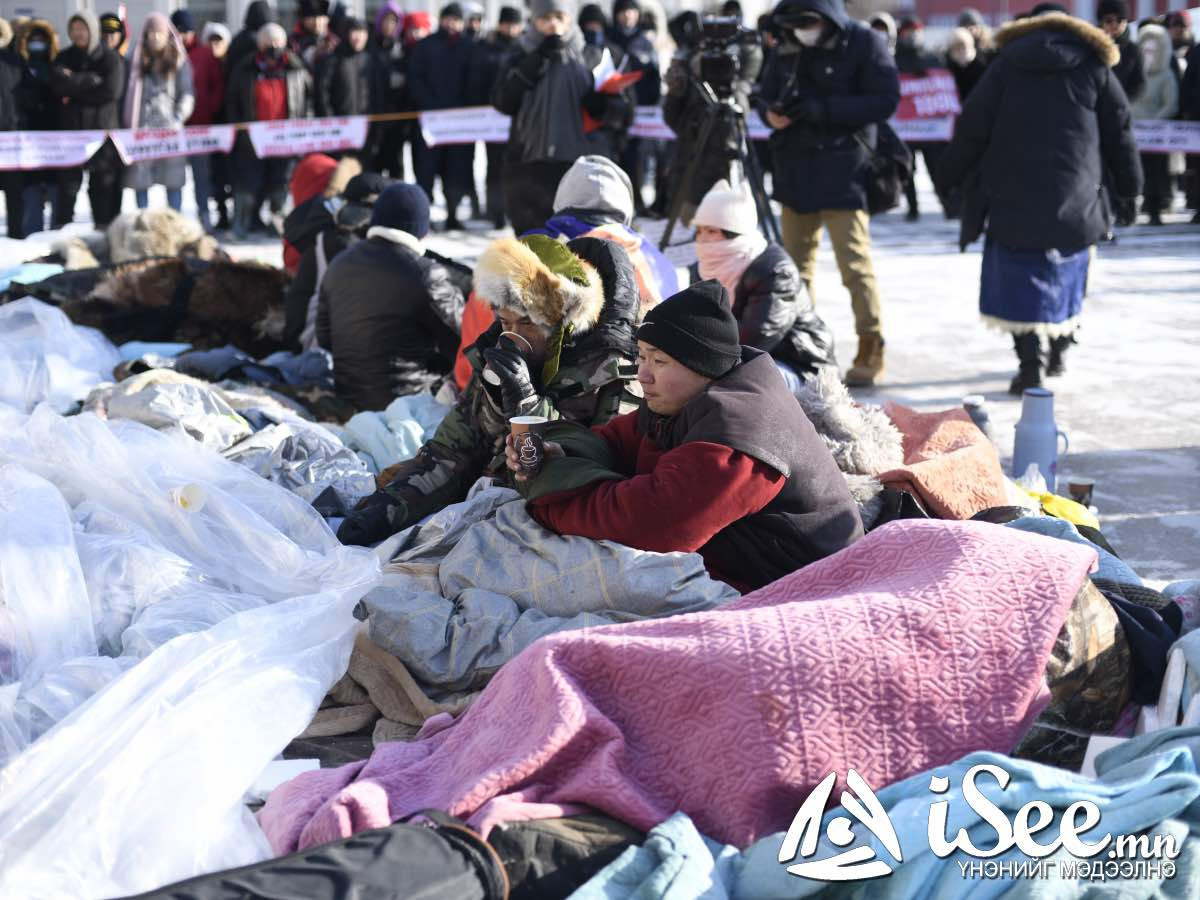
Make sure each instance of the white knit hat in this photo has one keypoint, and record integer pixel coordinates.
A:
(728, 208)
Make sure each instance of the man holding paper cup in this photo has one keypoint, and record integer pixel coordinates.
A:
(562, 348)
(720, 459)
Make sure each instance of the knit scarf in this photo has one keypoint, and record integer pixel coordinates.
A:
(727, 260)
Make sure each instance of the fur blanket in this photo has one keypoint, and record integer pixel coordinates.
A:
(862, 439)
(207, 304)
(144, 234)
(879, 658)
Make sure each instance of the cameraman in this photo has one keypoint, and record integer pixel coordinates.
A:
(830, 79)
(686, 108)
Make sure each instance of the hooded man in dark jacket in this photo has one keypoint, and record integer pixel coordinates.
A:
(30, 104)
(545, 87)
(389, 315)
(720, 460)
(828, 84)
(572, 309)
(1113, 17)
(245, 42)
(344, 79)
(268, 85)
(437, 79)
(88, 78)
(1046, 121)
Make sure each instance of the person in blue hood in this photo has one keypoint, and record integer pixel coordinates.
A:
(825, 88)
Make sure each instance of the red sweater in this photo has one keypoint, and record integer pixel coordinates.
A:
(677, 500)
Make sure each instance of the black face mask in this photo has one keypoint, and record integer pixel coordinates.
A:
(594, 37)
(273, 53)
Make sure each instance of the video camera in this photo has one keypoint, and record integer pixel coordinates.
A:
(713, 45)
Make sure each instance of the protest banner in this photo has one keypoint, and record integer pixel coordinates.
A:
(467, 125)
(144, 144)
(299, 137)
(47, 149)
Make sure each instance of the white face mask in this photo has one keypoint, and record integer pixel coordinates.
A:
(962, 56)
(808, 37)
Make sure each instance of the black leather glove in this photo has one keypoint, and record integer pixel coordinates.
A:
(371, 522)
(1126, 211)
(596, 104)
(516, 384)
(552, 46)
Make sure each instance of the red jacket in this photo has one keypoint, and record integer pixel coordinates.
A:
(676, 500)
(208, 79)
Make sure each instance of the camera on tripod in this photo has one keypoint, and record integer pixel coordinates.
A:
(713, 46)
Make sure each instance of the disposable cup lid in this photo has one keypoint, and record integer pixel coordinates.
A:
(528, 420)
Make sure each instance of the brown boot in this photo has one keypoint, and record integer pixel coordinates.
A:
(868, 364)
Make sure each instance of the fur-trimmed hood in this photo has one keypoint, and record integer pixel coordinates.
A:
(509, 275)
(26, 29)
(1043, 57)
(1161, 38)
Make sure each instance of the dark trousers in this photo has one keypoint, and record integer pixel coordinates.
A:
(105, 186)
(12, 184)
(529, 190)
(1156, 194)
(495, 181)
(258, 176)
(454, 165)
(932, 154)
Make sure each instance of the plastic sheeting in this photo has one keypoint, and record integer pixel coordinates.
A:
(44, 357)
(157, 657)
(307, 460)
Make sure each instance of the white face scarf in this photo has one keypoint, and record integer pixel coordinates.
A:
(727, 260)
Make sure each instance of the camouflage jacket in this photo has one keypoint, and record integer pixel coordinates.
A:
(592, 379)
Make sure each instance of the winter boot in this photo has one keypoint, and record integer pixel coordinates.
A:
(243, 212)
(868, 364)
(222, 216)
(1029, 354)
(1057, 364)
(276, 200)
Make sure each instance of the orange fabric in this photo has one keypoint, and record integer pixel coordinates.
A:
(477, 318)
(632, 244)
(311, 177)
(948, 463)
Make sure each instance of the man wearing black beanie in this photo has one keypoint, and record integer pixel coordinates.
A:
(1113, 17)
(720, 459)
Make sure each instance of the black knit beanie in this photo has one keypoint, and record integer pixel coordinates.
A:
(1118, 8)
(510, 15)
(402, 206)
(696, 328)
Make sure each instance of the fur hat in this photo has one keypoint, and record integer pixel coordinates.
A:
(6, 33)
(541, 278)
(728, 208)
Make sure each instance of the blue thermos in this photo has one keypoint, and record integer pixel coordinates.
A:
(1037, 436)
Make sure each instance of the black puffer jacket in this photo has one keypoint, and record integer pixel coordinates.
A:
(91, 93)
(319, 234)
(245, 42)
(1037, 134)
(832, 93)
(1129, 69)
(775, 314)
(437, 71)
(345, 84)
(240, 104)
(391, 320)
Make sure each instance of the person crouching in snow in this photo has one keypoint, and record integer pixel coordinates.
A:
(773, 310)
(563, 347)
(720, 459)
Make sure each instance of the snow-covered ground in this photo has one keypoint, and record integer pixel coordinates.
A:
(1130, 401)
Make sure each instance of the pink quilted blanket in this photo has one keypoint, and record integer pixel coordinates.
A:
(922, 642)
(948, 462)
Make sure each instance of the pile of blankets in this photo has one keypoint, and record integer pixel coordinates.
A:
(879, 658)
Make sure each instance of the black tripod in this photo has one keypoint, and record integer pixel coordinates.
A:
(716, 109)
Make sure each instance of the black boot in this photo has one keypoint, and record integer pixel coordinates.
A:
(1029, 353)
(1057, 364)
